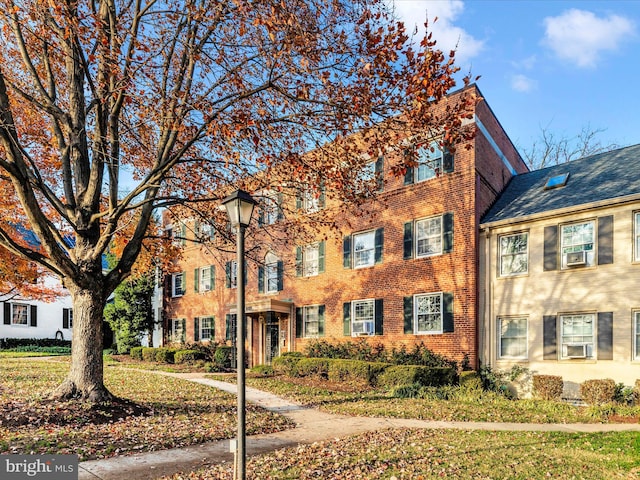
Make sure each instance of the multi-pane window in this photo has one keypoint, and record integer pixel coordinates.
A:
(311, 200)
(270, 210)
(205, 279)
(206, 328)
(177, 330)
(310, 261)
(514, 254)
(363, 317)
(271, 273)
(311, 321)
(429, 237)
(67, 318)
(636, 234)
(428, 313)
(429, 159)
(578, 244)
(19, 314)
(512, 340)
(578, 335)
(364, 249)
(204, 231)
(177, 284)
(232, 274)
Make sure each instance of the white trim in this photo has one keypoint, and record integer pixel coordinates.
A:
(416, 330)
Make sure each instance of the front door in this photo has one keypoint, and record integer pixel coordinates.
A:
(272, 342)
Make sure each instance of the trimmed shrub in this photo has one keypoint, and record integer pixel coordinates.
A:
(262, 370)
(11, 343)
(625, 395)
(223, 357)
(286, 364)
(187, 356)
(470, 382)
(400, 375)
(148, 354)
(348, 370)
(598, 392)
(313, 367)
(547, 387)
(51, 350)
(164, 355)
(136, 353)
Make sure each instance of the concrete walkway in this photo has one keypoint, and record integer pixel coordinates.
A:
(312, 426)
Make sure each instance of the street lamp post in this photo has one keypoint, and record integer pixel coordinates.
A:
(239, 207)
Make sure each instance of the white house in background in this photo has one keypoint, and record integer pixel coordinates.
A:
(28, 318)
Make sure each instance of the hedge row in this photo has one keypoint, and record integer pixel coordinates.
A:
(593, 392)
(222, 355)
(11, 343)
(371, 373)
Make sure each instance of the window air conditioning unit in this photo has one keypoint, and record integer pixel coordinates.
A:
(577, 350)
(576, 258)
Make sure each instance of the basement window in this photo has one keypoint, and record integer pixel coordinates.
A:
(557, 181)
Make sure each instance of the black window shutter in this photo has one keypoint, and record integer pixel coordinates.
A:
(65, 318)
(260, 279)
(447, 161)
(261, 216)
(280, 215)
(346, 251)
(227, 271)
(408, 314)
(605, 241)
(447, 232)
(447, 313)
(605, 335)
(299, 322)
(551, 249)
(184, 329)
(321, 321)
(346, 318)
(408, 240)
(379, 245)
(321, 257)
(228, 335)
(379, 316)
(299, 200)
(321, 198)
(280, 269)
(550, 337)
(299, 262)
(7, 313)
(34, 316)
(408, 175)
(196, 279)
(212, 270)
(379, 172)
(196, 329)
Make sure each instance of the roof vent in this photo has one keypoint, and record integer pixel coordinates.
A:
(557, 181)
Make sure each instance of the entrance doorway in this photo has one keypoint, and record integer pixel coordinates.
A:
(272, 342)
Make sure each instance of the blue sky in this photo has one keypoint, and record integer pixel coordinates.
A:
(559, 65)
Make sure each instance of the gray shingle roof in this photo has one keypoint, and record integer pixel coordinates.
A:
(596, 178)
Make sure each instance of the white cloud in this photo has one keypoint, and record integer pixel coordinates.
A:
(581, 37)
(522, 83)
(447, 35)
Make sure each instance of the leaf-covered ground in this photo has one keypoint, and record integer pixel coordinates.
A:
(157, 413)
(433, 454)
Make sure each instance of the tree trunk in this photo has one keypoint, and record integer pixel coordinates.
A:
(86, 379)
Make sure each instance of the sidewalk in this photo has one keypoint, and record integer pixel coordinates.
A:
(312, 426)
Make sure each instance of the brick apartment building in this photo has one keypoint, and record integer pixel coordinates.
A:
(402, 275)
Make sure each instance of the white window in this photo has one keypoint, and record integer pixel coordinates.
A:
(428, 313)
(364, 245)
(311, 321)
(636, 235)
(206, 328)
(311, 201)
(429, 237)
(177, 330)
(636, 335)
(311, 260)
(206, 231)
(363, 316)
(429, 159)
(577, 244)
(270, 210)
(20, 314)
(205, 279)
(177, 284)
(512, 341)
(578, 335)
(271, 274)
(514, 254)
(232, 274)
